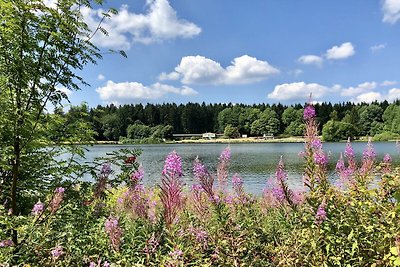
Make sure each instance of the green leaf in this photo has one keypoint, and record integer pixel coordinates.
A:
(394, 251)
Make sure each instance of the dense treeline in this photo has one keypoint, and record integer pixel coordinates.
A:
(156, 121)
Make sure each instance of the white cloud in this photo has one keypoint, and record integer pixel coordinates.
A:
(65, 91)
(159, 23)
(298, 91)
(393, 94)
(202, 70)
(343, 51)
(391, 11)
(388, 83)
(132, 91)
(368, 97)
(100, 77)
(361, 88)
(311, 60)
(378, 47)
(168, 76)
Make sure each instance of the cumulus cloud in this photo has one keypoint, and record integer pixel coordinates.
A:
(125, 92)
(160, 22)
(391, 11)
(392, 95)
(168, 76)
(298, 91)
(65, 91)
(378, 47)
(343, 51)
(388, 83)
(311, 60)
(368, 97)
(202, 70)
(361, 88)
(364, 92)
(100, 77)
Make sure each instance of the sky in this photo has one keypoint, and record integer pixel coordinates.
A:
(258, 51)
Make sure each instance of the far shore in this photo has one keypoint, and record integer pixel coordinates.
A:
(293, 139)
(240, 140)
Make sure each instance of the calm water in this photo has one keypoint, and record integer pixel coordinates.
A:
(254, 162)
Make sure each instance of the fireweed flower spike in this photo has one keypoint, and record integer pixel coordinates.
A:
(320, 216)
(38, 208)
(387, 164)
(351, 159)
(205, 179)
(137, 176)
(57, 199)
(342, 171)
(279, 192)
(171, 187)
(102, 180)
(368, 159)
(222, 169)
(316, 159)
(114, 232)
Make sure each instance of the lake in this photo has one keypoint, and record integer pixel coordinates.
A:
(255, 163)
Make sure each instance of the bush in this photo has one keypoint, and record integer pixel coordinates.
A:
(231, 131)
(336, 131)
(385, 136)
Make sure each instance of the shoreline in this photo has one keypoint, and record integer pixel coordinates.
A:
(248, 140)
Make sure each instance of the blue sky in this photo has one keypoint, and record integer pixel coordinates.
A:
(257, 51)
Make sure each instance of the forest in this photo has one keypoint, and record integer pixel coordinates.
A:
(154, 122)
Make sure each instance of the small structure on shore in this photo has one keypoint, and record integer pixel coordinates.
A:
(268, 136)
(209, 135)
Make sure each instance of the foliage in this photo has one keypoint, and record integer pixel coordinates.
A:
(42, 49)
(138, 131)
(111, 122)
(386, 136)
(231, 131)
(337, 130)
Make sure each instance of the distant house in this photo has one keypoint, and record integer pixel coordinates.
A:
(209, 135)
(244, 135)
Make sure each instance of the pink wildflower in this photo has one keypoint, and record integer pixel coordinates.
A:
(309, 112)
(368, 158)
(6, 243)
(387, 164)
(137, 176)
(204, 177)
(38, 208)
(106, 168)
(114, 231)
(173, 165)
(320, 216)
(151, 245)
(57, 252)
(176, 254)
(222, 169)
(57, 199)
(171, 187)
(226, 154)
